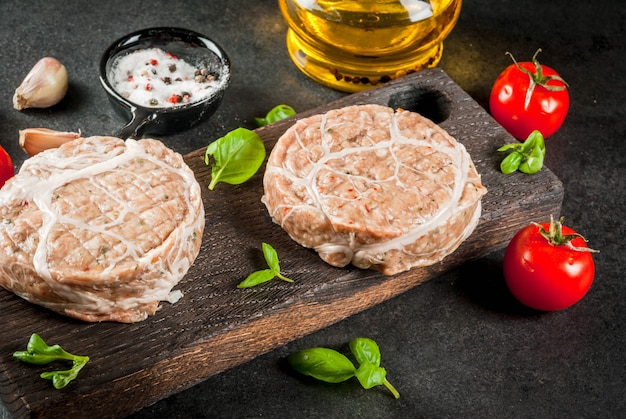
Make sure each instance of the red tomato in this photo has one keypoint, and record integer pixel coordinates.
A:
(6, 166)
(543, 271)
(529, 96)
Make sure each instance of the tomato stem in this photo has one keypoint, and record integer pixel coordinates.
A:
(556, 237)
(537, 78)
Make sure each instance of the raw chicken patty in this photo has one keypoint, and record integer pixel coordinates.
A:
(100, 228)
(378, 188)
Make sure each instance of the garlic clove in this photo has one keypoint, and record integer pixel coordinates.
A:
(45, 85)
(36, 140)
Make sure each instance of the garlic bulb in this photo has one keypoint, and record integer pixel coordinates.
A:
(45, 85)
(36, 140)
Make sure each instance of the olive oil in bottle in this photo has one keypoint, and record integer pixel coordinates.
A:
(351, 45)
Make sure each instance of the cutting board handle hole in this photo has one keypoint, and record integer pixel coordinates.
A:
(431, 103)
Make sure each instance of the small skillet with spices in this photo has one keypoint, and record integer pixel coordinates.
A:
(164, 80)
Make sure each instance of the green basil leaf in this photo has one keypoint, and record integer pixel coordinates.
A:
(237, 157)
(39, 353)
(365, 350)
(532, 164)
(370, 375)
(509, 146)
(533, 141)
(61, 379)
(34, 358)
(256, 278)
(528, 145)
(36, 344)
(271, 257)
(276, 114)
(323, 364)
(511, 162)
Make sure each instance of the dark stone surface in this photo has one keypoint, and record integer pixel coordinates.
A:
(460, 345)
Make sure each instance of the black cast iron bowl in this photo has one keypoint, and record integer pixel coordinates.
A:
(192, 47)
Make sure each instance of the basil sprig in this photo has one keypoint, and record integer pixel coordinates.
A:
(240, 153)
(264, 275)
(236, 157)
(39, 353)
(275, 114)
(527, 157)
(333, 367)
(323, 364)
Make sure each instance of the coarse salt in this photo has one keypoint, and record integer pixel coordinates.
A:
(157, 79)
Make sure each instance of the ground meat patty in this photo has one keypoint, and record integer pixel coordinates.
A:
(100, 229)
(373, 187)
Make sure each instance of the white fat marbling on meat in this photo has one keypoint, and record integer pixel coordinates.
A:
(141, 266)
(356, 219)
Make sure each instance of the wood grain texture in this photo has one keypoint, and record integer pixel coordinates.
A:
(217, 326)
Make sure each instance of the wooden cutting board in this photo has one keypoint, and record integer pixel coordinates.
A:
(217, 326)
